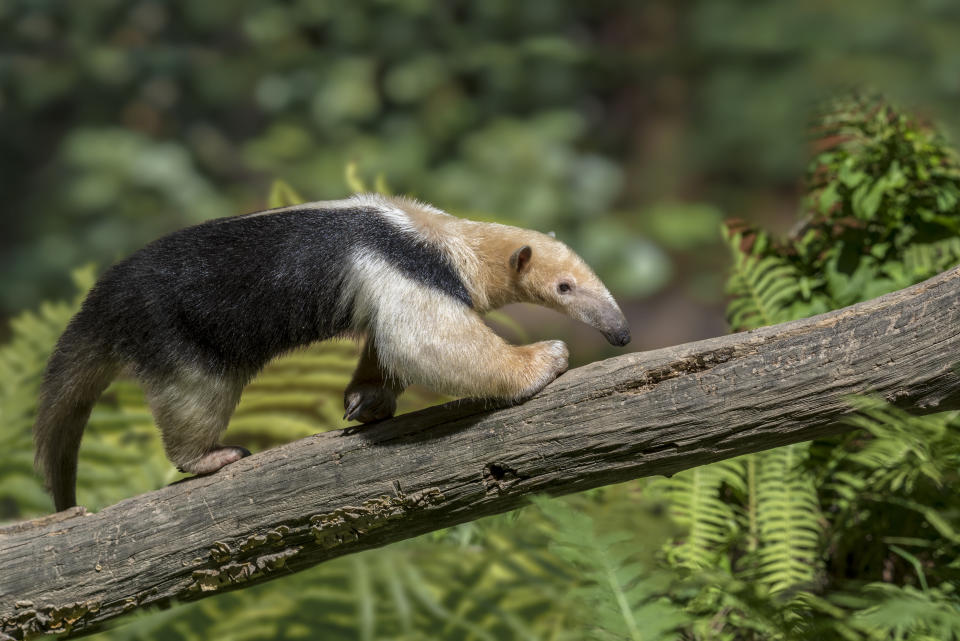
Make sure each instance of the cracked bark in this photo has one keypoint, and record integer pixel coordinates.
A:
(336, 493)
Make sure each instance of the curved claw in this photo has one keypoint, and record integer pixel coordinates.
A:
(352, 407)
(368, 403)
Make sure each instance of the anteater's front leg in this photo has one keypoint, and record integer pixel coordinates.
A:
(370, 396)
(454, 352)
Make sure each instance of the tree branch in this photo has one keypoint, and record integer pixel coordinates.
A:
(340, 492)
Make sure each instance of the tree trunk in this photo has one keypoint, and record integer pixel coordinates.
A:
(340, 492)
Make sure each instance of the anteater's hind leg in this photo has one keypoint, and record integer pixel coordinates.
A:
(192, 409)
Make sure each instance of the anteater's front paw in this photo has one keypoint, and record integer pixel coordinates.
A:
(366, 403)
(550, 360)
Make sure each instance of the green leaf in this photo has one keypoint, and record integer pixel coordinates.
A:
(353, 179)
(867, 197)
(282, 195)
(829, 197)
(849, 175)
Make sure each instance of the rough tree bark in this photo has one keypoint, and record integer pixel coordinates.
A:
(341, 492)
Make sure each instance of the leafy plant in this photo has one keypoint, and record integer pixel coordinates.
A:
(620, 598)
(695, 502)
(853, 537)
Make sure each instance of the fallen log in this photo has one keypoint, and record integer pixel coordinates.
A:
(341, 492)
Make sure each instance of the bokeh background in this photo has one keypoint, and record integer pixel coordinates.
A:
(630, 128)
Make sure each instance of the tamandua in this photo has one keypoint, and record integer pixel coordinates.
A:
(196, 314)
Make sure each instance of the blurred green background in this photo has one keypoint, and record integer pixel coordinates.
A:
(631, 128)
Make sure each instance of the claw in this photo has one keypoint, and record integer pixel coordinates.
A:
(352, 408)
(367, 403)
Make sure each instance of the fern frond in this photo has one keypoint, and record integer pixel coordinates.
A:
(626, 601)
(788, 520)
(695, 503)
(763, 288)
(905, 613)
(22, 361)
(903, 449)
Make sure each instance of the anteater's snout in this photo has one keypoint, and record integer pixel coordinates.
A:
(613, 325)
(619, 337)
(602, 313)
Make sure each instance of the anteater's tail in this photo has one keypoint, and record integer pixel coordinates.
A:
(76, 375)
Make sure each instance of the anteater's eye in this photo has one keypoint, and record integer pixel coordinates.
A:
(564, 287)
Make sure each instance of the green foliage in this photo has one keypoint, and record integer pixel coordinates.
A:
(777, 60)
(21, 368)
(121, 450)
(125, 120)
(905, 449)
(695, 503)
(620, 598)
(788, 521)
(881, 214)
(762, 287)
(683, 226)
(899, 480)
(907, 614)
(853, 537)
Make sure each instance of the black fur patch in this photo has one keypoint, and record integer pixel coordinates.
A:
(230, 294)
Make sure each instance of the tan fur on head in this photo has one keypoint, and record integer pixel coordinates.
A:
(553, 275)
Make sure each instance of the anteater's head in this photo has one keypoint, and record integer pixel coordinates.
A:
(548, 273)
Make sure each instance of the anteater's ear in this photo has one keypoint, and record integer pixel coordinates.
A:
(521, 259)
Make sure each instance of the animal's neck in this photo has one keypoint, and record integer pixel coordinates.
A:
(492, 246)
(480, 252)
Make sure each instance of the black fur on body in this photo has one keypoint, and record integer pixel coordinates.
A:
(218, 300)
(232, 293)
